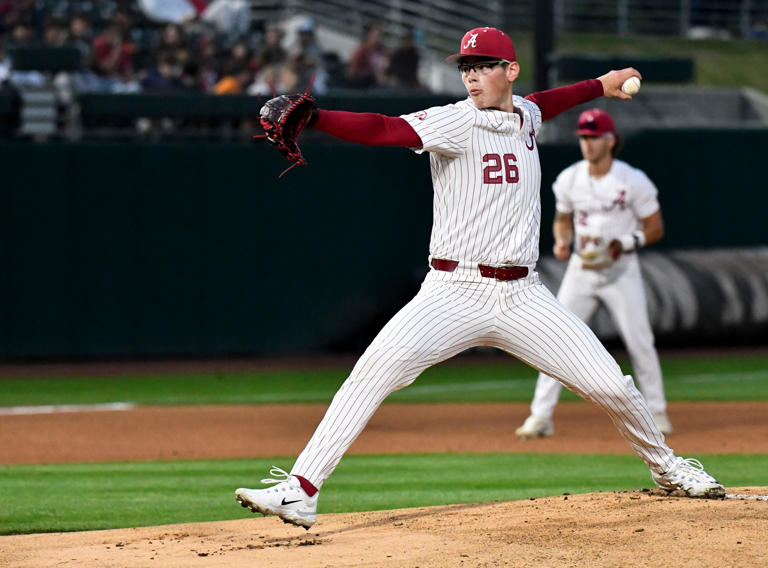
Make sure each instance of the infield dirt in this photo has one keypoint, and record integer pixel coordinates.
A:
(640, 528)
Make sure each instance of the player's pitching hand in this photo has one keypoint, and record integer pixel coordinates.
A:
(613, 80)
(562, 251)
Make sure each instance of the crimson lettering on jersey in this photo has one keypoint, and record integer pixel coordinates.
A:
(510, 167)
(495, 164)
(620, 202)
(531, 138)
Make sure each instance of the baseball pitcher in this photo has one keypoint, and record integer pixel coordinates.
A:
(482, 288)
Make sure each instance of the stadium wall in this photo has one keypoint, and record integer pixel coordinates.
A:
(176, 249)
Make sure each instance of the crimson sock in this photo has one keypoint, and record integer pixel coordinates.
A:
(308, 488)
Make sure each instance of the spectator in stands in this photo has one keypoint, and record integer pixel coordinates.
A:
(239, 57)
(164, 76)
(113, 54)
(54, 33)
(271, 51)
(20, 12)
(307, 59)
(22, 35)
(206, 58)
(369, 61)
(123, 17)
(403, 69)
(81, 35)
(207, 61)
(299, 71)
(172, 44)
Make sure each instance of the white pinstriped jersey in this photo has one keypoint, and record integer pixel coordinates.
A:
(486, 177)
(605, 208)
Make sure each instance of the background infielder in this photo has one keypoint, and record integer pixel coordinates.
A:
(601, 200)
(482, 289)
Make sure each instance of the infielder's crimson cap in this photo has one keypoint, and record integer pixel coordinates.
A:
(485, 42)
(595, 122)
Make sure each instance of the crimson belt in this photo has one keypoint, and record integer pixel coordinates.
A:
(498, 272)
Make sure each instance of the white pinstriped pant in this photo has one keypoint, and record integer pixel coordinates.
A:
(620, 288)
(454, 311)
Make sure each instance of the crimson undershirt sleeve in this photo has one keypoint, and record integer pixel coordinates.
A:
(367, 128)
(372, 129)
(554, 101)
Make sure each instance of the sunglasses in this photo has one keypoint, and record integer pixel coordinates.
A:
(481, 67)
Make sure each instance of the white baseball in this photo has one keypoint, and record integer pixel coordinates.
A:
(631, 86)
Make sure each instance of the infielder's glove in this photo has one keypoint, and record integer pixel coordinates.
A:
(596, 255)
(283, 118)
(626, 243)
(615, 249)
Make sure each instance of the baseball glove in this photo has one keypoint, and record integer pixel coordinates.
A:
(596, 254)
(283, 118)
(615, 249)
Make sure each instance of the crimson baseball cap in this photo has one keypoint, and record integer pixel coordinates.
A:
(485, 42)
(595, 122)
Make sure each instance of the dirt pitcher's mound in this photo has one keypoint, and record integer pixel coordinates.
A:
(634, 528)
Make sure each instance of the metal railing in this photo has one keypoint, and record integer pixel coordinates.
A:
(440, 20)
(435, 22)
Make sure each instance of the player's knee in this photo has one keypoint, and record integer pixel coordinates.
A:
(390, 368)
(612, 389)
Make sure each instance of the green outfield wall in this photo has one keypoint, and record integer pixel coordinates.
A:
(135, 250)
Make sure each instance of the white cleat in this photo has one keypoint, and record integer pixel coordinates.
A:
(688, 475)
(287, 500)
(535, 427)
(662, 423)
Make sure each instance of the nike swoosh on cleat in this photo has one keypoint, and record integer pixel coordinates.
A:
(284, 502)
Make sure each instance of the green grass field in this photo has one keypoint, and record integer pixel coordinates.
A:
(70, 497)
(46, 498)
(689, 378)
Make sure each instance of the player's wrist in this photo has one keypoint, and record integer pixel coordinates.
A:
(313, 117)
(632, 241)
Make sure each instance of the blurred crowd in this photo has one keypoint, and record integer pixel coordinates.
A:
(195, 46)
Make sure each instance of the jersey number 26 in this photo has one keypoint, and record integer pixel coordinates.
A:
(495, 163)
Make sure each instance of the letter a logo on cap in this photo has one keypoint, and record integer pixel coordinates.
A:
(484, 42)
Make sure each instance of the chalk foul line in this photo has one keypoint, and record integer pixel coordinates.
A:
(56, 408)
(749, 497)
